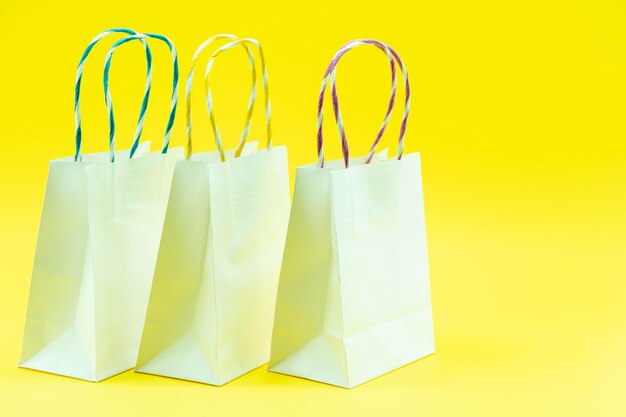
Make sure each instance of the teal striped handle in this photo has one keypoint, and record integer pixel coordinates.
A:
(79, 78)
(174, 98)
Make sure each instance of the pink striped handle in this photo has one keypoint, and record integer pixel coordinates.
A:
(330, 74)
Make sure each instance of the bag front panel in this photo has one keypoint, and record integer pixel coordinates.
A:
(249, 206)
(126, 216)
(381, 241)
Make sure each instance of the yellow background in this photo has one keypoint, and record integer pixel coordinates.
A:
(518, 111)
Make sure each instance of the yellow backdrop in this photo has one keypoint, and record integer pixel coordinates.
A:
(518, 111)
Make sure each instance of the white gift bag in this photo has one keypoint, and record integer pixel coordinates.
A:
(98, 240)
(353, 299)
(212, 302)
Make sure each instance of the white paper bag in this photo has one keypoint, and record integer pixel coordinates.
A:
(98, 240)
(212, 302)
(354, 300)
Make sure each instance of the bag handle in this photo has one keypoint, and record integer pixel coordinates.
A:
(79, 77)
(268, 109)
(189, 83)
(331, 73)
(174, 100)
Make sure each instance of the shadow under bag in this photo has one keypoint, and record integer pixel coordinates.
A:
(354, 298)
(98, 239)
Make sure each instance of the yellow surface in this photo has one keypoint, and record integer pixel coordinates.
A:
(519, 112)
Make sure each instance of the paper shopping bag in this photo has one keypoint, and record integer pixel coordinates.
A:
(98, 239)
(212, 302)
(353, 299)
